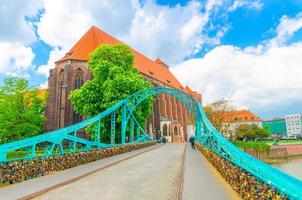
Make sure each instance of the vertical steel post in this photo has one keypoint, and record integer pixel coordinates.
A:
(74, 142)
(112, 138)
(131, 129)
(61, 147)
(28, 152)
(97, 131)
(124, 124)
(51, 149)
(3, 156)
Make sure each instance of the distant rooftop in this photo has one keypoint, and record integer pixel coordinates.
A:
(240, 116)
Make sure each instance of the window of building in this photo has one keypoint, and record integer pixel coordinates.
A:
(175, 131)
(165, 130)
(78, 82)
(78, 79)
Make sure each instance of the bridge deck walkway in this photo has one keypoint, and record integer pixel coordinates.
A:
(44, 183)
(202, 181)
(172, 171)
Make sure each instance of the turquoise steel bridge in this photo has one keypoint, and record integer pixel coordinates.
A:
(205, 134)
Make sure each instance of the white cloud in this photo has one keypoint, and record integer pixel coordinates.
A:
(210, 4)
(262, 76)
(14, 27)
(16, 34)
(54, 55)
(76, 17)
(251, 4)
(15, 58)
(250, 79)
(286, 28)
(172, 33)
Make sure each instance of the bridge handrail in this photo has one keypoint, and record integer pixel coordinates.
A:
(269, 174)
(291, 186)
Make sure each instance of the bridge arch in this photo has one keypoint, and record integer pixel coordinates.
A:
(206, 134)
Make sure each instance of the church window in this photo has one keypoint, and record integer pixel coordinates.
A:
(77, 84)
(78, 79)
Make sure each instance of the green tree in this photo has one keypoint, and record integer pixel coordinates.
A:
(21, 110)
(245, 131)
(114, 78)
(251, 132)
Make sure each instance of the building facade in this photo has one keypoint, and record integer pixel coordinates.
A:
(276, 126)
(170, 117)
(232, 120)
(294, 125)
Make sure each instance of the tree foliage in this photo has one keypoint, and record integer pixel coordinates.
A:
(251, 132)
(21, 110)
(216, 112)
(114, 78)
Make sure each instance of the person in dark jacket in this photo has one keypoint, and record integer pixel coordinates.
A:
(192, 141)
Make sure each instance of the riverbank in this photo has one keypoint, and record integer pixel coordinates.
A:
(271, 153)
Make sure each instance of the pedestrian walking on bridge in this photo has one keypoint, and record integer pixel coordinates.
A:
(192, 141)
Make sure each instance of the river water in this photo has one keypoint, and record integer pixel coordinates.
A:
(293, 166)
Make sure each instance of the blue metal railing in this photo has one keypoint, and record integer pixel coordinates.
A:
(206, 134)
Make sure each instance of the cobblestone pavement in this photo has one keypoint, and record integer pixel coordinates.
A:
(153, 175)
(172, 171)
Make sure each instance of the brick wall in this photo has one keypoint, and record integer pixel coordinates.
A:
(59, 111)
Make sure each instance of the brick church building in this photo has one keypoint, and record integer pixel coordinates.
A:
(170, 117)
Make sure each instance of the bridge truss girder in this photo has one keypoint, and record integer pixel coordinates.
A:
(205, 133)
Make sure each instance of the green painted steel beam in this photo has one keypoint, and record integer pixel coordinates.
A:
(206, 134)
(112, 131)
(124, 124)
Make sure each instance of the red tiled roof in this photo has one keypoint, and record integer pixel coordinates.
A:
(188, 89)
(240, 116)
(95, 37)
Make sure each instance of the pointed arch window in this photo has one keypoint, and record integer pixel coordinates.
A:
(78, 79)
(78, 82)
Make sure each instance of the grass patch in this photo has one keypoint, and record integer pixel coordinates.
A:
(284, 141)
(257, 147)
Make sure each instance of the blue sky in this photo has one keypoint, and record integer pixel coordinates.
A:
(223, 49)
